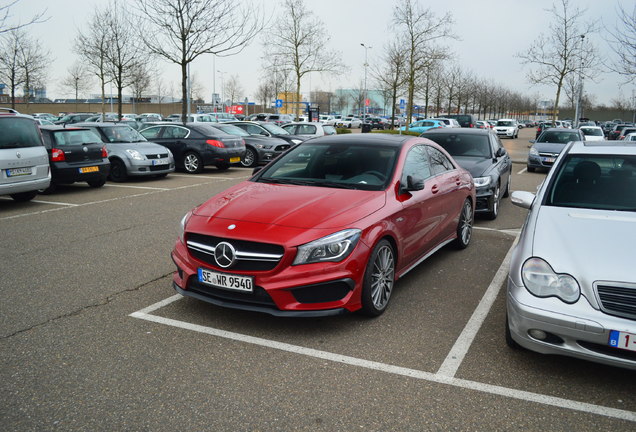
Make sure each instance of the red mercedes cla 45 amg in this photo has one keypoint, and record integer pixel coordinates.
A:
(326, 228)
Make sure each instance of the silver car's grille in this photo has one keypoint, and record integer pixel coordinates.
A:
(157, 155)
(617, 299)
(249, 256)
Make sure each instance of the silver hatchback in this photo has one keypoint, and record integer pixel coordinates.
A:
(572, 283)
(24, 162)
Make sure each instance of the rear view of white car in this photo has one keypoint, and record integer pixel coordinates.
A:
(24, 162)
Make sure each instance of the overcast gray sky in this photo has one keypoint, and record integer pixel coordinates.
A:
(491, 32)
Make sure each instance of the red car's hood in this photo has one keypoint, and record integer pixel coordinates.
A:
(291, 205)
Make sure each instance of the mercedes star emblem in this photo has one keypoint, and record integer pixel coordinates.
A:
(224, 254)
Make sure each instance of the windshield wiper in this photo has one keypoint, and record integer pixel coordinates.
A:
(286, 181)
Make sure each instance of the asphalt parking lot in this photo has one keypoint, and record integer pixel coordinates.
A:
(93, 337)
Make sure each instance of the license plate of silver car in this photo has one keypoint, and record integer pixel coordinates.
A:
(623, 340)
(225, 280)
(13, 172)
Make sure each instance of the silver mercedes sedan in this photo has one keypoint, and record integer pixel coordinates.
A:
(572, 282)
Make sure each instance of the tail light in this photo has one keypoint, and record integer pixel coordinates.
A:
(57, 155)
(104, 152)
(215, 143)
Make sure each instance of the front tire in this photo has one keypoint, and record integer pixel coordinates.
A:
(379, 278)
(250, 159)
(530, 169)
(492, 214)
(509, 340)
(465, 225)
(192, 163)
(118, 172)
(507, 190)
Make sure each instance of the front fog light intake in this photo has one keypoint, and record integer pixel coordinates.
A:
(334, 248)
(542, 281)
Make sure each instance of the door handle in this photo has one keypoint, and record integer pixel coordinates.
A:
(434, 189)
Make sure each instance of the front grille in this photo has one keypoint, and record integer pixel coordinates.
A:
(258, 297)
(608, 350)
(618, 299)
(157, 156)
(250, 256)
(322, 293)
(159, 167)
(482, 204)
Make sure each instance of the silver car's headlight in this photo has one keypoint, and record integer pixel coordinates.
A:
(135, 154)
(534, 151)
(542, 281)
(334, 247)
(481, 181)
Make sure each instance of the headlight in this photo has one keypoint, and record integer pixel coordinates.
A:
(542, 281)
(264, 146)
(533, 151)
(182, 224)
(481, 181)
(135, 154)
(334, 247)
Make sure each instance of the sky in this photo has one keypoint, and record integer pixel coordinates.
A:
(491, 33)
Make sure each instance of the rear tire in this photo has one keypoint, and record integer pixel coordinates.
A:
(192, 163)
(465, 225)
(223, 166)
(379, 279)
(97, 183)
(24, 196)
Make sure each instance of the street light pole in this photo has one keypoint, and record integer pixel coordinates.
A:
(221, 92)
(577, 111)
(366, 64)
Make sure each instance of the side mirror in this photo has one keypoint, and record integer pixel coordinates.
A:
(500, 152)
(413, 184)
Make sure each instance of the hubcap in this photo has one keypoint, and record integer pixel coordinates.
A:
(191, 163)
(382, 277)
(249, 158)
(467, 224)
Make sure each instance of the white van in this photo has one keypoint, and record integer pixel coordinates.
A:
(24, 161)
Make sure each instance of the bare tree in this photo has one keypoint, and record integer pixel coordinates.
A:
(182, 30)
(140, 80)
(563, 51)
(5, 17)
(124, 52)
(623, 44)
(92, 46)
(233, 89)
(10, 71)
(418, 29)
(77, 80)
(391, 74)
(33, 60)
(265, 94)
(297, 43)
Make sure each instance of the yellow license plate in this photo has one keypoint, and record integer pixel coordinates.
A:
(89, 169)
(235, 159)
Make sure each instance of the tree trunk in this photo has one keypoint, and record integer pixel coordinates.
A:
(184, 91)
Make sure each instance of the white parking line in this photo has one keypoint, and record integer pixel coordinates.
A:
(198, 176)
(522, 171)
(136, 187)
(387, 368)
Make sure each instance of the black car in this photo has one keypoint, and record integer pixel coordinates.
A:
(74, 118)
(268, 129)
(75, 155)
(464, 120)
(377, 123)
(195, 145)
(259, 149)
(480, 152)
(616, 130)
(543, 126)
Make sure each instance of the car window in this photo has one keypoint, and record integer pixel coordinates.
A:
(306, 130)
(18, 133)
(231, 129)
(466, 145)
(122, 134)
(290, 129)
(595, 182)
(75, 137)
(439, 161)
(416, 164)
(175, 132)
(151, 133)
(329, 130)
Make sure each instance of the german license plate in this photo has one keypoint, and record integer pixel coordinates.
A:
(623, 340)
(13, 172)
(91, 169)
(160, 162)
(225, 280)
(549, 159)
(235, 159)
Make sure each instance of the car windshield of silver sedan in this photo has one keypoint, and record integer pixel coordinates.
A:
(122, 134)
(361, 166)
(595, 182)
(473, 146)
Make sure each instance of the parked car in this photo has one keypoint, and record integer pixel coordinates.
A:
(450, 122)
(616, 130)
(130, 154)
(465, 120)
(328, 120)
(195, 145)
(259, 149)
(422, 126)
(630, 137)
(222, 117)
(75, 155)
(377, 123)
(349, 122)
(571, 288)
(482, 125)
(546, 149)
(73, 118)
(626, 131)
(268, 129)
(309, 129)
(24, 162)
(593, 133)
(326, 228)
(482, 154)
(150, 117)
(507, 128)
(543, 126)
(193, 118)
(46, 116)
(278, 119)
